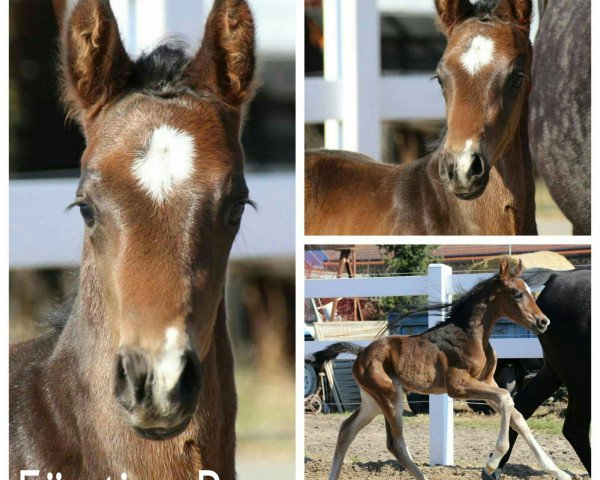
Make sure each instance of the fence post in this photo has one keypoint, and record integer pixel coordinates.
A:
(332, 68)
(358, 50)
(441, 422)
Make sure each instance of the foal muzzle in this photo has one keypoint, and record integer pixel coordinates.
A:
(541, 324)
(464, 174)
(158, 395)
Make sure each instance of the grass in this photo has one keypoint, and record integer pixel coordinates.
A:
(266, 415)
(546, 420)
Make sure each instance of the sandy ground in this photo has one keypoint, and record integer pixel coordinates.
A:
(550, 220)
(265, 424)
(368, 456)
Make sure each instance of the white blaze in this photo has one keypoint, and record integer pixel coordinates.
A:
(168, 161)
(169, 367)
(463, 163)
(478, 55)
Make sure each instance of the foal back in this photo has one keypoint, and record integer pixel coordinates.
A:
(347, 193)
(333, 208)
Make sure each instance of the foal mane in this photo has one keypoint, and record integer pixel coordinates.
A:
(161, 71)
(449, 313)
(484, 9)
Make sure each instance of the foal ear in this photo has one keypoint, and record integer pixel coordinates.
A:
(452, 12)
(521, 12)
(225, 62)
(519, 269)
(504, 273)
(95, 65)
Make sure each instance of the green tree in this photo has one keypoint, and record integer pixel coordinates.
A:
(406, 259)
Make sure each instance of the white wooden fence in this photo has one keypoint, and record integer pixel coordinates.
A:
(439, 285)
(352, 99)
(44, 235)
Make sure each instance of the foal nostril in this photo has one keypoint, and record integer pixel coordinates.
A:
(132, 379)
(446, 168)
(544, 322)
(477, 166)
(188, 386)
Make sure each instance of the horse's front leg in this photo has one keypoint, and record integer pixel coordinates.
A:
(518, 423)
(462, 386)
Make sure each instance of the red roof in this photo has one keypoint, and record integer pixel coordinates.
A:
(371, 253)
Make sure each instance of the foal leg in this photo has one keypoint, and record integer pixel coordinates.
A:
(393, 411)
(367, 411)
(461, 385)
(529, 398)
(520, 425)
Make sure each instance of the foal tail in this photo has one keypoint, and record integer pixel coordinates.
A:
(335, 349)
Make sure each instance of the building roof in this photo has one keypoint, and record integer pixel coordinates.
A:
(370, 254)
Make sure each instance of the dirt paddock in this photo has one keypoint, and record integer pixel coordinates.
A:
(474, 437)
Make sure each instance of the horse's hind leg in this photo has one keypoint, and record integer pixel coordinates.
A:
(395, 434)
(367, 411)
(576, 428)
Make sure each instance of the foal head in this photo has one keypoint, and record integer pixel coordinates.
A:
(162, 193)
(516, 300)
(485, 78)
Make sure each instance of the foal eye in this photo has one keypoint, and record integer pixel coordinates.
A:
(516, 80)
(518, 295)
(87, 213)
(439, 80)
(237, 211)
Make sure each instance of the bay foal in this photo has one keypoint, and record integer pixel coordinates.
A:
(139, 379)
(453, 357)
(480, 179)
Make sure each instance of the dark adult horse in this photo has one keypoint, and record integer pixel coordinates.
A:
(139, 379)
(560, 108)
(480, 179)
(566, 300)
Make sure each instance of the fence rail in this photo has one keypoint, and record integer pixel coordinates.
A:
(43, 235)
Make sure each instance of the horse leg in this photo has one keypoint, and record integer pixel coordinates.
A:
(461, 385)
(520, 425)
(576, 428)
(395, 435)
(367, 411)
(528, 399)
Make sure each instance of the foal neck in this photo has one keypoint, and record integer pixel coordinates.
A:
(480, 316)
(513, 183)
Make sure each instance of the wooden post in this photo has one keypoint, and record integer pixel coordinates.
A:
(352, 56)
(341, 263)
(441, 422)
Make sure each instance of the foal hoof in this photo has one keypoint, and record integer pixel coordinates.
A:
(495, 475)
